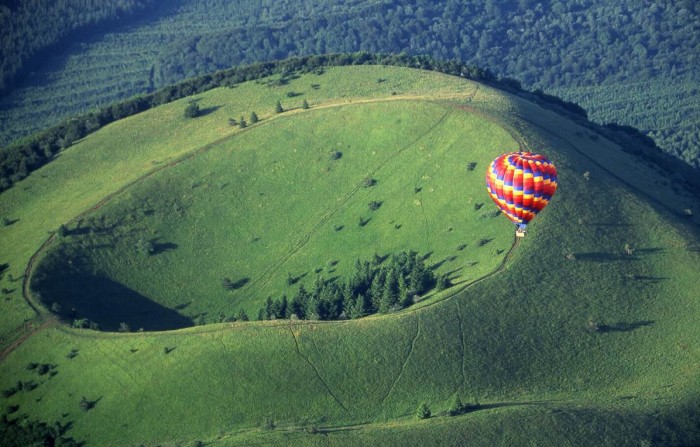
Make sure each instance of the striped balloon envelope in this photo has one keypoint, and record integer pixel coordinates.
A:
(521, 184)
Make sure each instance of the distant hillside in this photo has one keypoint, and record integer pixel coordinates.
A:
(633, 63)
(30, 28)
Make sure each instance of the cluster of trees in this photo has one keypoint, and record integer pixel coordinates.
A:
(31, 28)
(543, 43)
(22, 432)
(379, 286)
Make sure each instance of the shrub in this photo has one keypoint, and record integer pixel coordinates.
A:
(457, 407)
(374, 205)
(192, 110)
(369, 182)
(423, 412)
(335, 155)
(471, 166)
(85, 404)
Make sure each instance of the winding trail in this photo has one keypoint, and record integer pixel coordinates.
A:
(46, 319)
(411, 348)
(318, 375)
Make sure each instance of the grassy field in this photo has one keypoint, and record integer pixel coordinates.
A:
(257, 212)
(612, 252)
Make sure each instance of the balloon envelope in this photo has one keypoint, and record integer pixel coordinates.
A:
(521, 184)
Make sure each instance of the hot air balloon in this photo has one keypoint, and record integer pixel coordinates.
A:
(521, 184)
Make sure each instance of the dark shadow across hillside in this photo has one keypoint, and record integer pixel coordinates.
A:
(622, 326)
(107, 303)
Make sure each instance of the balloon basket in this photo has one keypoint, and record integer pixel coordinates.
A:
(520, 232)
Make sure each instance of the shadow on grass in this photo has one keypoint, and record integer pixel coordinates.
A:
(622, 326)
(208, 110)
(611, 224)
(652, 279)
(105, 302)
(600, 256)
(240, 283)
(162, 247)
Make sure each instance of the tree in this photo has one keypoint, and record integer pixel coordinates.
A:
(62, 230)
(457, 407)
(124, 327)
(192, 110)
(145, 247)
(443, 282)
(278, 107)
(423, 412)
(242, 316)
(253, 118)
(242, 124)
(85, 404)
(305, 105)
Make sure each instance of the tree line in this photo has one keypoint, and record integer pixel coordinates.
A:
(377, 286)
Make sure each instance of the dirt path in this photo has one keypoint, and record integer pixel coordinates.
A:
(47, 319)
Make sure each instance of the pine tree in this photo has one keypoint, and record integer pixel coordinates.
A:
(284, 308)
(376, 290)
(278, 107)
(305, 105)
(242, 124)
(253, 118)
(299, 303)
(423, 412)
(457, 407)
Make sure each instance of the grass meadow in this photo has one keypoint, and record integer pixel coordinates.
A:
(586, 335)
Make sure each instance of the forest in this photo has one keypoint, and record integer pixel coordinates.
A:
(631, 62)
(33, 27)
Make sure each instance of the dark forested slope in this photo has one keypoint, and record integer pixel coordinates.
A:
(30, 27)
(630, 62)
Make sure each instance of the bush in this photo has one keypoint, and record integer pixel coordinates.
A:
(374, 205)
(335, 155)
(192, 110)
(423, 412)
(369, 182)
(85, 404)
(457, 407)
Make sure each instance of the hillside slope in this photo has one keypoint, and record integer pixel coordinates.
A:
(586, 335)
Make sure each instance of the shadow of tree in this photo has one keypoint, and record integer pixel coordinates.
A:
(208, 110)
(601, 256)
(240, 283)
(622, 326)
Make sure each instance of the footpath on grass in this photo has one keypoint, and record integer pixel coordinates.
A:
(46, 319)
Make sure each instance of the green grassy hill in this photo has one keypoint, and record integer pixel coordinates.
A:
(585, 332)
